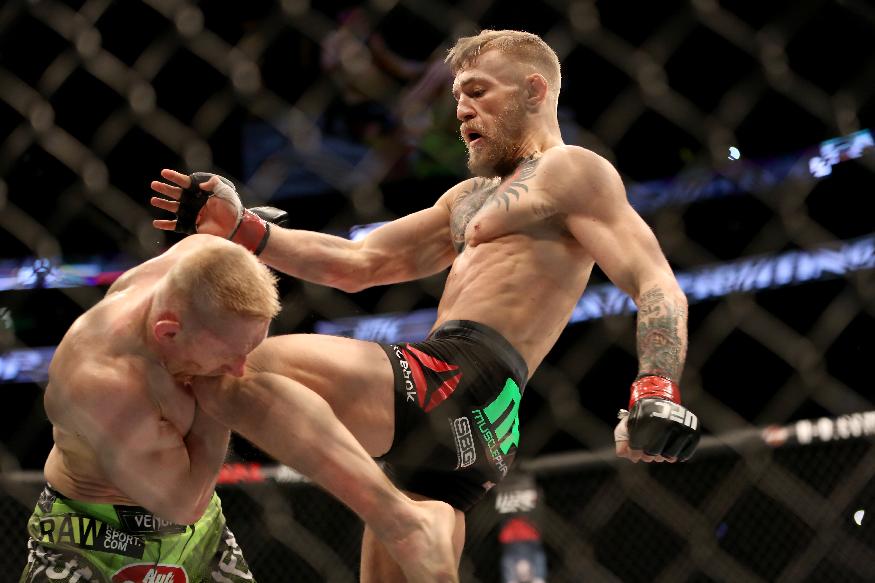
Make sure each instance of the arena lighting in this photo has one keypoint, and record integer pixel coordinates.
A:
(745, 275)
(692, 185)
(838, 150)
(748, 176)
(26, 365)
(50, 273)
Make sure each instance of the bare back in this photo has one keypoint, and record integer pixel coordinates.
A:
(107, 343)
(519, 270)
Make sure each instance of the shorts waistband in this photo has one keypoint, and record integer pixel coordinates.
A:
(131, 519)
(482, 333)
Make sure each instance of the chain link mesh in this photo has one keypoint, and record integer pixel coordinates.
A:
(341, 114)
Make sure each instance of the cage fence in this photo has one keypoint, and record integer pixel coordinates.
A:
(781, 503)
(741, 134)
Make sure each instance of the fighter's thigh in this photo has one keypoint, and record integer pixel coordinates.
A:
(353, 376)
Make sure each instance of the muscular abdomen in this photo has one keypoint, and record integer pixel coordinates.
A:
(72, 469)
(522, 286)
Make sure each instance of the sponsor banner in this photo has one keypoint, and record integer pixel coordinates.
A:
(826, 429)
(515, 501)
(254, 472)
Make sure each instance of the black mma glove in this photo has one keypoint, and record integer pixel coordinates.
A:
(249, 228)
(656, 422)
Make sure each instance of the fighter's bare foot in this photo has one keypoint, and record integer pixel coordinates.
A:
(426, 553)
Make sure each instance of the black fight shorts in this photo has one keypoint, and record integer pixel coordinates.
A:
(457, 397)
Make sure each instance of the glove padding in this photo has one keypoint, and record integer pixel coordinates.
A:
(252, 227)
(193, 199)
(272, 215)
(661, 427)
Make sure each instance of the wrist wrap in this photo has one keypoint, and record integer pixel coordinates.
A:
(252, 232)
(654, 387)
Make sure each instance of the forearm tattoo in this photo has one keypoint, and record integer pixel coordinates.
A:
(662, 335)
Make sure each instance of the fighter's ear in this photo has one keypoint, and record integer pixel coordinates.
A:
(536, 89)
(166, 329)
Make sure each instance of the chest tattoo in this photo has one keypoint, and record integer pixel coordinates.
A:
(482, 190)
(516, 184)
(467, 205)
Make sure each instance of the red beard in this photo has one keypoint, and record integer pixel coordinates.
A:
(498, 153)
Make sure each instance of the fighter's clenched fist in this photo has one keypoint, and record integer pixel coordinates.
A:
(656, 427)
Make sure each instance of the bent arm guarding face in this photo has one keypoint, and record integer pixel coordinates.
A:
(144, 455)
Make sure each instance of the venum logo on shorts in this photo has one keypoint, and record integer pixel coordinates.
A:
(140, 522)
(466, 453)
(499, 424)
(88, 533)
(150, 573)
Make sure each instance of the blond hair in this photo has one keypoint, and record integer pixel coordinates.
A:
(526, 47)
(221, 277)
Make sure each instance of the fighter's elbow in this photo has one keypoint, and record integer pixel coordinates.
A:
(349, 286)
(187, 509)
(197, 511)
(658, 289)
(360, 273)
(187, 516)
(178, 509)
(674, 290)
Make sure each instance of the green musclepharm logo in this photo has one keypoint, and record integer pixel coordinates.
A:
(508, 401)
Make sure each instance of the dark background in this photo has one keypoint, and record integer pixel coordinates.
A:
(657, 88)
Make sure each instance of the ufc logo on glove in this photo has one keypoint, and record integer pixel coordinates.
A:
(677, 413)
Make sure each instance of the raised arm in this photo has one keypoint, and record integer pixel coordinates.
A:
(144, 455)
(408, 248)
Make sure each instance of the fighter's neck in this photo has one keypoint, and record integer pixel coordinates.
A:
(531, 150)
(537, 141)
